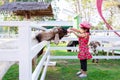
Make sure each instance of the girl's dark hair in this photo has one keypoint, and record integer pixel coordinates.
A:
(87, 30)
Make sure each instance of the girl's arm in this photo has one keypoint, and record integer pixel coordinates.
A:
(76, 30)
(79, 34)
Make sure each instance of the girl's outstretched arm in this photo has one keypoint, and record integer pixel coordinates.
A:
(79, 34)
(76, 30)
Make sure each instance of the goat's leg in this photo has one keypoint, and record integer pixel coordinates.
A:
(40, 53)
(93, 61)
(113, 53)
(34, 62)
(96, 59)
(69, 50)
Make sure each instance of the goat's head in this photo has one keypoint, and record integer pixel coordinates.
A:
(94, 44)
(59, 33)
(55, 34)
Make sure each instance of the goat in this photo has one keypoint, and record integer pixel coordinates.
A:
(55, 34)
(93, 46)
(72, 44)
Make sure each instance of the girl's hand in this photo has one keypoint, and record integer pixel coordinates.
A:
(69, 30)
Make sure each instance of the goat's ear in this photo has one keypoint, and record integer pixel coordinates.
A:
(98, 43)
(56, 39)
(55, 30)
(89, 44)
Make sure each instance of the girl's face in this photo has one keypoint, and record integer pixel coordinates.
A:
(83, 30)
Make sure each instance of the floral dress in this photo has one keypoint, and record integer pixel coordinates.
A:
(83, 48)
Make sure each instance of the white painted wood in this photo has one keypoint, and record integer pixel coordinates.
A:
(63, 48)
(68, 39)
(9, 55)
(55, 23)
(76, 48)
(104, 30)
(37, 48)
(51, 63)
(25, 63)
(92, 38)
(104, 38)
(63, 57)
(47, 63)
(14, 23)
(39, 67)
(75, 57)
(45, 68)
(34, 25)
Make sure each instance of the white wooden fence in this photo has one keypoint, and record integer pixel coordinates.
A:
(25, 52)
(100, 38)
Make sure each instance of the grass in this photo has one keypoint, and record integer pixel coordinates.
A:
(13, 73)
(61, 52)
(66, 69)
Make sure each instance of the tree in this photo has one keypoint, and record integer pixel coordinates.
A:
(83, 8)
(112, 13)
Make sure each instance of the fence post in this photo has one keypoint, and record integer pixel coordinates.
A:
(25, 63)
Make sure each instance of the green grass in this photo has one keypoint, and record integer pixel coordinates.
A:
(61, 44)
(62, 52)
(66, 69)
(12, 74)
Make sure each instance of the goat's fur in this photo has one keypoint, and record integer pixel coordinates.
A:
(54, 34)
(72, 44)
(93, 46)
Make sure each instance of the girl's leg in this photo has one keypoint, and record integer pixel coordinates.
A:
(83, 66)
(81, 69)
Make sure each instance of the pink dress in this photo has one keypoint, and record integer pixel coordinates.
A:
(83, 48)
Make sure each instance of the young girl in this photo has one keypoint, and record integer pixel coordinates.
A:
(84, 54)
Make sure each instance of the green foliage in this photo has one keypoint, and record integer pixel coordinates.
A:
(34, 0)
(47, 0)
(0, 2)
(14, 30)
(6, 29)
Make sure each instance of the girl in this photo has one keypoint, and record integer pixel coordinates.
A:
(84, 54)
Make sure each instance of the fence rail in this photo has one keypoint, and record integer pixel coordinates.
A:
(104, 38)
(38, 69)
(25, 53)
(92, 38)
(94, 57)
